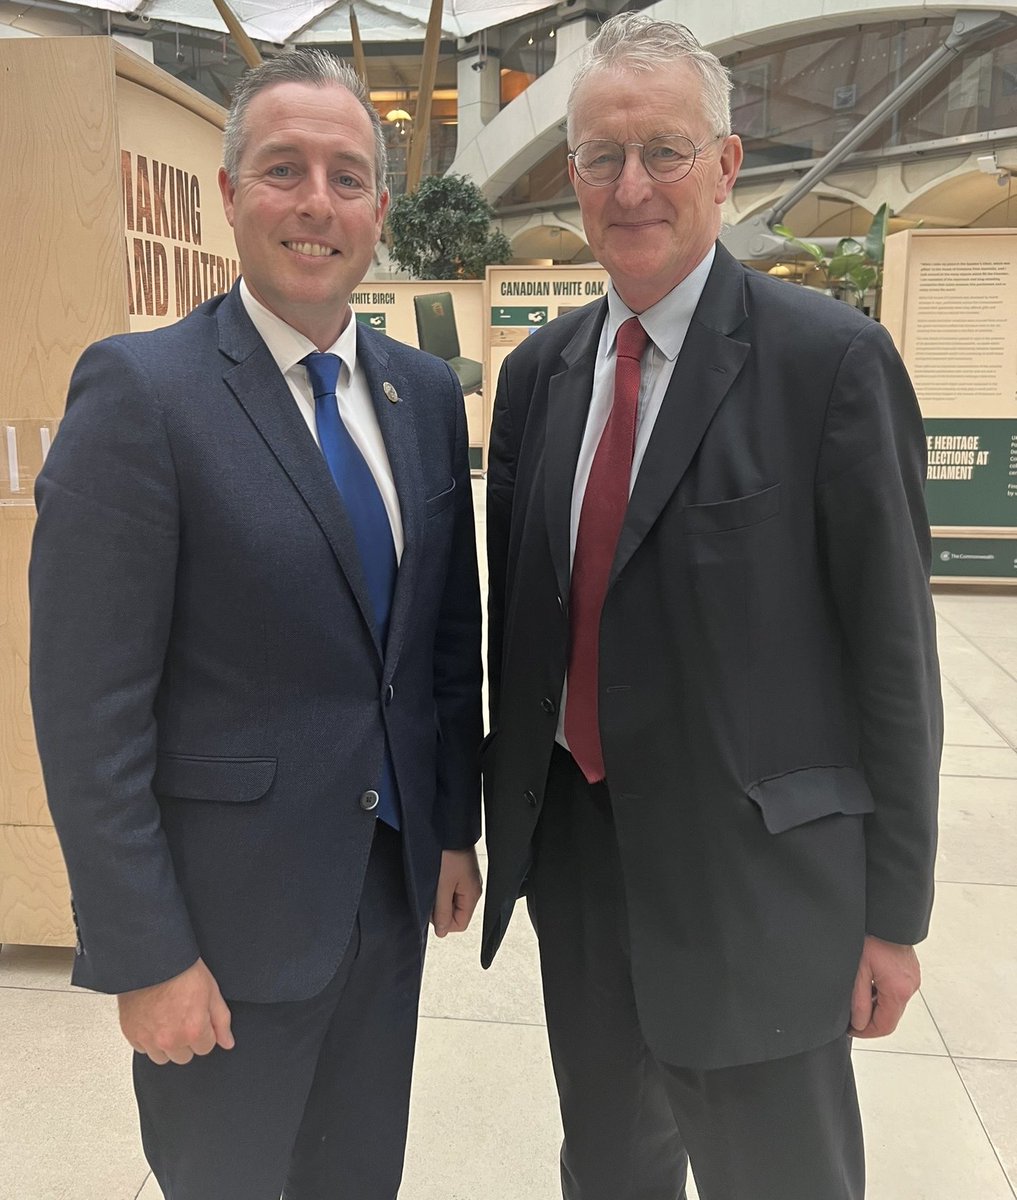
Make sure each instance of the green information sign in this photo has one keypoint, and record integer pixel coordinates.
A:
(375, 320)
(519, 316)
(966, 558)
(972, 477)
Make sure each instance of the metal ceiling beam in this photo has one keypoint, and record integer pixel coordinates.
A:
(754, 238)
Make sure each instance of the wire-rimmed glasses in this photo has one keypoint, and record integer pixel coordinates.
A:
(667, 158)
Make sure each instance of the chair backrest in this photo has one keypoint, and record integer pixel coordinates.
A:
(436, 324)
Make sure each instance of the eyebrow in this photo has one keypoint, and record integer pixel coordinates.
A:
(273, 149)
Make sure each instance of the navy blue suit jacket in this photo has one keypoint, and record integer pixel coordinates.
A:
(210, 699)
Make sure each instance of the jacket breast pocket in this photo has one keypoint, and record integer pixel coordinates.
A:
(439, 503)
(737, 513)
(200, 777)
(797, 797)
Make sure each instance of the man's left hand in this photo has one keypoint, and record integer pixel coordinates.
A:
(888, 976)
(459, 889)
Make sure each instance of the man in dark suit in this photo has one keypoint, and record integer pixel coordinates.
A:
(715, 710)
(256, 677)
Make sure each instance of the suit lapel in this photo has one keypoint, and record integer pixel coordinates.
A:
(260, 389)
(707, 366)
(398, 422)
(568, 404)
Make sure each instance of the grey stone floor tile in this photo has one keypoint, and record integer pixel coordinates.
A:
(992, 762)
(46, 968)
(993, 1090)
(969, 971)
(1002, 650)
(986, 686)
(455, 985)
(484, 1119)
(977, 831)
(68, 1126)
(923, 1138)
(151, 1190)
(916, 1033)
(963, 725)
(979, 616)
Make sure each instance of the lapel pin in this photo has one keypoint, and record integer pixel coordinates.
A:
(390, 391)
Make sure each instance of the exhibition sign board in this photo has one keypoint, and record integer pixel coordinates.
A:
(948, 302)
(522, 300)
(178, 245)
(418, 314)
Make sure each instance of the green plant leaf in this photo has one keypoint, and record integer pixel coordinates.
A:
(875, 239)
(810, 248)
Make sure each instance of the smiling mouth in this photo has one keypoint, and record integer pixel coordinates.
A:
(314, 249)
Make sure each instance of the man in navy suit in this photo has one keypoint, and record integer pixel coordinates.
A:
(256, 677)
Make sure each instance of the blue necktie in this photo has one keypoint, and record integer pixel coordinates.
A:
(368, 516)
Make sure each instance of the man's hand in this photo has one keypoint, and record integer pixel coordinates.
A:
(459, 889)
(173, 1021)
(888, 976)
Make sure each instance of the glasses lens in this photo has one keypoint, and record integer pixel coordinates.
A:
(599, 162)
(669, 158)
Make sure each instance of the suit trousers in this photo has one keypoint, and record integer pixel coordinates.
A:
(788, 1129)
(312, 1101)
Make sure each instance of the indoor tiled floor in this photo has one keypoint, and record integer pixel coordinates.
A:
(939, 1098)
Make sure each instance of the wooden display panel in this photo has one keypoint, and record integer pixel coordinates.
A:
(65, 103)
(948, 303)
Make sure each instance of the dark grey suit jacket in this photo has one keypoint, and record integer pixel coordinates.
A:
(210, 699)
(769, 700)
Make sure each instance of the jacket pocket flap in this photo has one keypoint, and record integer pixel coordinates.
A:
(810, 793)
(436, 504)
(191, 777)
(737, 513)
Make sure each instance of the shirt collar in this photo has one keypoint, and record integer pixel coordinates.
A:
(667, 321)
(288, 345)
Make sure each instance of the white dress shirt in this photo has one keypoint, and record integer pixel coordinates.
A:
(288, 346)
(666, 324)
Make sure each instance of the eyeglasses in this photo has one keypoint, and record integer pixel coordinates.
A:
(666, 159)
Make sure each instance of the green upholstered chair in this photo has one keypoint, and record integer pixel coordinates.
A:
(437, 334)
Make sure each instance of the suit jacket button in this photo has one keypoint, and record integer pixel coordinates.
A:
(389, 694)
(548, 705)
(531, 799)
(369, 800)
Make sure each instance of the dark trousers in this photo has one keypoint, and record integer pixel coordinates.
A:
(312, 1102)
(782, 1130)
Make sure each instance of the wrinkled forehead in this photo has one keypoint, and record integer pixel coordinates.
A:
(632, 100)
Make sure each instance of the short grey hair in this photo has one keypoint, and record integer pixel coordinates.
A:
(636, 42)
(315, 67)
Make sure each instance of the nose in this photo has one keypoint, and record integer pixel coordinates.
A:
(634, 185)
(314, 200)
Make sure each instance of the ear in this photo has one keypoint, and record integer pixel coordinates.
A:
(228, 191)
(730, 161)
(572, 172)
(379, 216)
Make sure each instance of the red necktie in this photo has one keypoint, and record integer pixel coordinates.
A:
(600, 522)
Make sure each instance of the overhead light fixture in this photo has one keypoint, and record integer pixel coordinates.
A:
(988, 165)
(400, 118)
